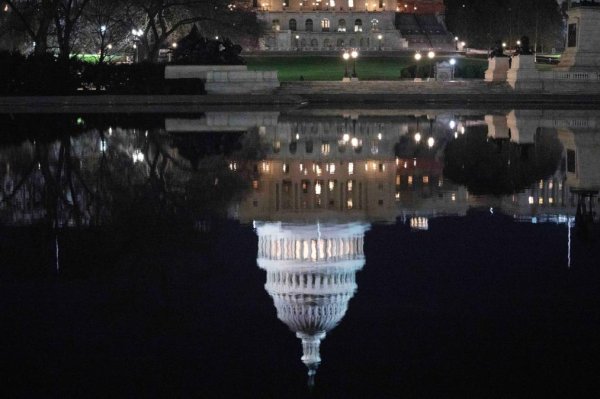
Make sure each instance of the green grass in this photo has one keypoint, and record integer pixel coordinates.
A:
(290, 68)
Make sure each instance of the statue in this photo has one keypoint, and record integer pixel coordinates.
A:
(194, 49)
(497, 50)
(524, 48)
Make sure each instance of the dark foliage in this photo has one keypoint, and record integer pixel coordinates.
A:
(48, 75)
(500, 167)
(38, 74)
(194, 49)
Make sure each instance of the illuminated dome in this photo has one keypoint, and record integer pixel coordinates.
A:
(311, 277)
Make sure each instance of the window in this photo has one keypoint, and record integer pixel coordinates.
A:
(374, 24)
(358, 25)
(342, 25)
(308, 25)
(276, 25)
(293, 25)
(572, 36)
(571, 161)
(325, 25)
(351, 3)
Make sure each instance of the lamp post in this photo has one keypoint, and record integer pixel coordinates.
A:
(346, 57)
(456, 42)
(354, 55)
(379, 37)
(297, 37)
(137, 33)
(431, 56)
(417, 59)
(453, 63)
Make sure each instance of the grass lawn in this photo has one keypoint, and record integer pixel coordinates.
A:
(290, 68)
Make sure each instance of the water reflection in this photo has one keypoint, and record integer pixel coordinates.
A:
(312, 182)
(310, 272)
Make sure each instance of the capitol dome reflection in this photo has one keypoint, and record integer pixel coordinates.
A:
(311, 272)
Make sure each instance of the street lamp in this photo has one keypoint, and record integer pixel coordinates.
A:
(346, 57)
(137, 33)
(456, 42)
(453, 63)
(297, 37)
(417, 58)
(379, 37)
(354, 55)
(431, 56)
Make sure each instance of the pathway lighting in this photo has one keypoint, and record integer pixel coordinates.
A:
(354, 55)
(417, 137)
(379, 37)
(346, 57)
(431, 56)
(430, 142)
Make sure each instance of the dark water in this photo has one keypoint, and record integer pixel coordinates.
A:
(400, 253)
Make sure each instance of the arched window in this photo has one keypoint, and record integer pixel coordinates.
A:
(340, 43)
(352, 42)
(342, 25)
(303, 43)
(358, 25)
(293, 25)
(325, 25)
(276, 25)
(327, 43)
(374, 24)
(314, 43)
(308, 25)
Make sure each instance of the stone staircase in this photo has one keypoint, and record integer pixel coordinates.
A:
(398, 87)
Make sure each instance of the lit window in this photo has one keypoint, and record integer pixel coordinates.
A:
(350, 168)
(331, 168)
(398, 180)
(530, 200)
(349, 185)
(453, 196)
(331, 185)
(410, 180)
(255, 184)
(349, 203)
(425, 179)
(318, 188)
(325, 148)
(541, 201)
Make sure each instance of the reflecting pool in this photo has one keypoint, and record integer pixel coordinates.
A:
(303, 252)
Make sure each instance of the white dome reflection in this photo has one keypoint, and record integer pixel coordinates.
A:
(311, 272)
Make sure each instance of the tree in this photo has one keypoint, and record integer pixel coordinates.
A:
(36, 18)
(159, 21)
(481, 22)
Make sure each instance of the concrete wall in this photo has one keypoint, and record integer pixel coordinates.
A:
(241, 82)
(197, 71)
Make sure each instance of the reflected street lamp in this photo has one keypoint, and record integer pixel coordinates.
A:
(354, 55)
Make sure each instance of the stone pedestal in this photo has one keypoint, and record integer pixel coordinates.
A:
(583, 41)
(497, 69)
(523, 75)
(444, 71)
